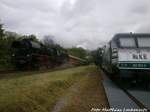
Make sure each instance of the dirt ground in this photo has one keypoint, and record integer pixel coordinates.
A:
(86, 94)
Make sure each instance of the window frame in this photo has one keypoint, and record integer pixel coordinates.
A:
(138, 42)
(119, 43)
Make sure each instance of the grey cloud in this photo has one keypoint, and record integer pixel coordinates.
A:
(76, 22)
(141, 7)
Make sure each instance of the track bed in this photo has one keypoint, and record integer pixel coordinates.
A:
(123, 98)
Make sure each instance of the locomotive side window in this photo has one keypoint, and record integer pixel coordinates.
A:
(106, 55)
(143, 42)
(127, 42)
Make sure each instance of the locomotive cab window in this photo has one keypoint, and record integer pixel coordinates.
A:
(143, 42)
(18, 44)
(127, 42)
(35, 45)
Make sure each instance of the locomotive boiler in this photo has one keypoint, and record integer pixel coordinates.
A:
(31, 54)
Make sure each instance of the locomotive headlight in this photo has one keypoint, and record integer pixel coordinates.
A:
(114, 53)
(13, 55)
(28, 55)
(114, 50)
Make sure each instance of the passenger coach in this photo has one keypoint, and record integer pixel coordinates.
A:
(128, 55)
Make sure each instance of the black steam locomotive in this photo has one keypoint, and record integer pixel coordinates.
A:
(29, 54)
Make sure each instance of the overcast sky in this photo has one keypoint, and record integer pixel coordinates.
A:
(82, 23)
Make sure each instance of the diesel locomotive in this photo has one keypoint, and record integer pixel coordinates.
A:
(127, 55)
(29, 54)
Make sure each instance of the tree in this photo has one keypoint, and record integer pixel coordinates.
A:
(79, 52)
(1, 39)
(1, 31)
(48, 40)
(33, 37)
(3, 49)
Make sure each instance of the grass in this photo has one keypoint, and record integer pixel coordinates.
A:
(37, 92)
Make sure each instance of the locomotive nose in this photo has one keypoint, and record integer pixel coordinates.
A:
(133, 55)
(134, 59)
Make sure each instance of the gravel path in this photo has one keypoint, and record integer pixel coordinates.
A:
(85, 94)
(63, 101)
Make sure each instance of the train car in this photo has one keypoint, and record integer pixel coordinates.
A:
(127, 55)
(30, 54)
(97, 56)
(73, 60)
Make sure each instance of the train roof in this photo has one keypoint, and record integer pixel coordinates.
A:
(118, 35)
(26, 43)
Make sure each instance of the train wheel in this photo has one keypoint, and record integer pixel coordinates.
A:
(125, 82)
(20, 67)
(148, 86)
(36, 65)
(49, 65)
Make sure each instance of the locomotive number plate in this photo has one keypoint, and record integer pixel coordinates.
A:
(135, 65)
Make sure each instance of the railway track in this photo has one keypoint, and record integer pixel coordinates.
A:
(12, 71)
(8, 71)
(134, 99)
(130, 95)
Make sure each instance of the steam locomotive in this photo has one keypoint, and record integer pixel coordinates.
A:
(127, 55)
(29, 54)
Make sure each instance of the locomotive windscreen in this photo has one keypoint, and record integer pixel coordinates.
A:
(17, 44)
(143, 42)
(35, 45)
(127, 42)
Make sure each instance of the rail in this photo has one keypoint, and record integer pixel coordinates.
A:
(132, 97)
